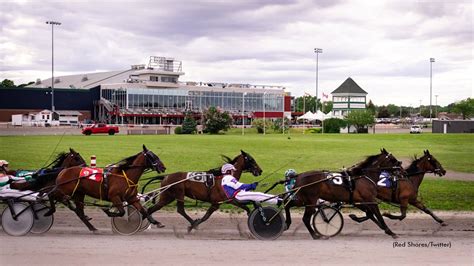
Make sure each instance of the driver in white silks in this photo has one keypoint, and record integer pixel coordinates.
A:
(240, 191)
(6, 191)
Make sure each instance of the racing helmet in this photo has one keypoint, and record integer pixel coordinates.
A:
(227, 167)
(290, 173)
(3, 163)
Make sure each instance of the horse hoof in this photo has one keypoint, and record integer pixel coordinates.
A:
(394, 236)
(353, 217)
(159, 225)
(444, 224)
(88, 218)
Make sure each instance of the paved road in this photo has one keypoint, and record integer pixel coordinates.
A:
(225, 239)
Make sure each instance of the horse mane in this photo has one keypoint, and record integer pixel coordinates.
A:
(125, 163)
(412, 168)
(59, 159)
(357, 168)
(217, 170)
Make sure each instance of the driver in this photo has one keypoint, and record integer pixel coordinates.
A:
(6, 191)
(240, 191)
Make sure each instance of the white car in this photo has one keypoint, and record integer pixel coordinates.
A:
(415, 129)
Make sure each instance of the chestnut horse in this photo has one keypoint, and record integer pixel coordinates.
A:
(45, 177)
(244, 162)
(312, 185)
(406, 189)
(120, 185)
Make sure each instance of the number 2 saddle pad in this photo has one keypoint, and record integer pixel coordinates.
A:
(95, 174)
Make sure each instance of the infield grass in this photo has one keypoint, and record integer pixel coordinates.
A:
(274, 153)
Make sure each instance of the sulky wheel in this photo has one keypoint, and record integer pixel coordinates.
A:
(266, 223)
(328, 221)
(129, 223)
(42, 223)
(20, 222)
(145, 225)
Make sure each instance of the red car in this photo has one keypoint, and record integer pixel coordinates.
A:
(100, 128)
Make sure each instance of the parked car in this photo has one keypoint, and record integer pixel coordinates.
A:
(415, 129)
(100, 128)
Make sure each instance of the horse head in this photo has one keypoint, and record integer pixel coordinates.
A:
(153, 161)
(429, 164)
(386, 160)
(250, 165)
(72, 158)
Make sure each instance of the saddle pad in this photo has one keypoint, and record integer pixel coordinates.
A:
(198, 176)
(336, 178)
(95, 174)
(384, 180)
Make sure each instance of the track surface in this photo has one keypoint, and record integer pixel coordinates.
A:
(225, 239)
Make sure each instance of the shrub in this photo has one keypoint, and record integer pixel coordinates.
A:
(333, 125)
(178, 130)
(313, 130)
(279, 125)
(258, 124)
(215, 120)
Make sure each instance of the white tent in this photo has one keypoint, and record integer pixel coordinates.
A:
(308, 116)
(321, 116)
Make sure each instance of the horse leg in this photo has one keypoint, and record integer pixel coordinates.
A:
(145, 214)
(422, 207)
(374, 210)
(403, 211)
(206, 216)
(52, 206)
(361, 219)
(308, 213)
(165, 199)
(242, 206)
(180, 208)
(118, 203)
(79, 210)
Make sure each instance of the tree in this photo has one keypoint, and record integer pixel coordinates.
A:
(371, 107)
(306, 103)
(465, 108)
(258, 124)
(215, 120)
(393, 110)
(327, 107)
(383, 112)
(189, 124)
(360, 119)
(6, 83)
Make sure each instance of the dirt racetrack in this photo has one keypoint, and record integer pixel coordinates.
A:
(225, 240)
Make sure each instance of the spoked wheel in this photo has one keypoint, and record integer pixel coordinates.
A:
(20, 222)
(266, 223)
(129, 223)
(42, 223)
(328, 221)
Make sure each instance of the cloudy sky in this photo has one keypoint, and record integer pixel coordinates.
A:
(384, 46)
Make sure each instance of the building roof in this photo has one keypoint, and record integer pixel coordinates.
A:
(349, 86)
(86, 81)
(67, 112)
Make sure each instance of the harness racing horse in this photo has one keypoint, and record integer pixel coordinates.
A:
(405, 189)
(179, 185)
(45, 177)
(117, 186)
(312, 185)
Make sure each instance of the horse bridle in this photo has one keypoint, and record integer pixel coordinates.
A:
(150, 160)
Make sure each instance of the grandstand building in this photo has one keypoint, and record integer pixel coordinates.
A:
(147, 94)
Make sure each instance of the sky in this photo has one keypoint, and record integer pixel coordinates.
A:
(385, 46)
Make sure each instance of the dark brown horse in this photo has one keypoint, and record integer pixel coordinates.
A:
(405, 190)
(313, 185)
(119, 186)
(180, 186)
(46, 177)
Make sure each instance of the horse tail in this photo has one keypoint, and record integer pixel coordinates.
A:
(153, 180)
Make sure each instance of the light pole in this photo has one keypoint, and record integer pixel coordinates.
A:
(243, 112)
(436, 106)
(420, 107)
(431, 83)
(52, 60)
(264, 122)
(317, 51)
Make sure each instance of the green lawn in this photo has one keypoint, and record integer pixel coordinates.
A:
(274, 153)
